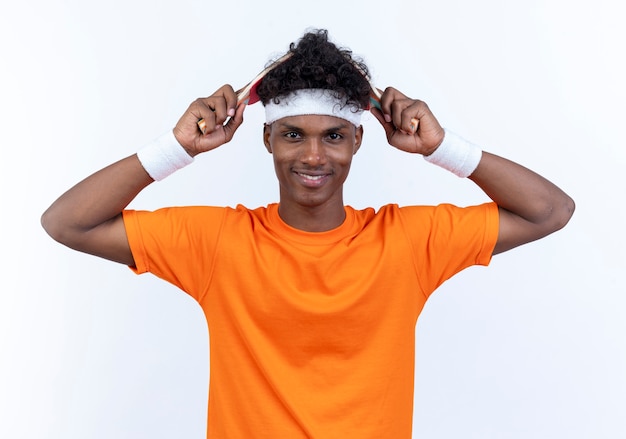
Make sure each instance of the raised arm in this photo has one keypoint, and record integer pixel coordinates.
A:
(88, 217)
(530, 206)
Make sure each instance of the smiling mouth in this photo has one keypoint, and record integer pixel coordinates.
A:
(312, 180)
(311, 177)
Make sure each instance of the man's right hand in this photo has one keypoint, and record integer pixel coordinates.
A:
(221, 115)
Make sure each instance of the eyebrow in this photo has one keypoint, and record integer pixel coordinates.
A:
(339, 127)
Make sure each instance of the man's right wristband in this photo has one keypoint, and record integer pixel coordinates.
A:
(163, 156)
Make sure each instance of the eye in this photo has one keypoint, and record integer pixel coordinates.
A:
(292, 135)
(335, 136)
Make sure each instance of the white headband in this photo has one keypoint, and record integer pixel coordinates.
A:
(311, 101)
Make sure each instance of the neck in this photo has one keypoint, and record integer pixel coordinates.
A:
(313, 219)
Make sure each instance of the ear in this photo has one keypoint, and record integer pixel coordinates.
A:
(358, 138)
(267, 132)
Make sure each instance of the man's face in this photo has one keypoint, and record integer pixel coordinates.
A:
(312, 157)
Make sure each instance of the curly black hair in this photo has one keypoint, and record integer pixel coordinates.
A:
(315, 62)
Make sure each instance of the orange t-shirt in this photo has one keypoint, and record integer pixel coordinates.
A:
(311, 334)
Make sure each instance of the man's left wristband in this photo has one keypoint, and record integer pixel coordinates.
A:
(163, 156)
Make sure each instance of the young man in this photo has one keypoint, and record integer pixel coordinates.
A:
(311, 305)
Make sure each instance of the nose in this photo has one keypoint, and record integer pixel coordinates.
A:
(313, 153)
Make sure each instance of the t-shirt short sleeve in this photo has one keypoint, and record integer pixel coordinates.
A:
(176, 244)
(448, 239)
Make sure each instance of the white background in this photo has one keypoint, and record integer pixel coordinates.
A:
(532, 347)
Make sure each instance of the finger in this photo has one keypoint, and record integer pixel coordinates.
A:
(411, 113)
(425, 117)
(197, 111)
(187, 128)
(204, 115)
(223, 104)
(409, 118)
(218, 106)
(389, 103)
(378, 114)
(231, 100)
(387, 126)
(234, 123)
(225, 100)
(402, 115)
(385, 103)
(394, 105)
